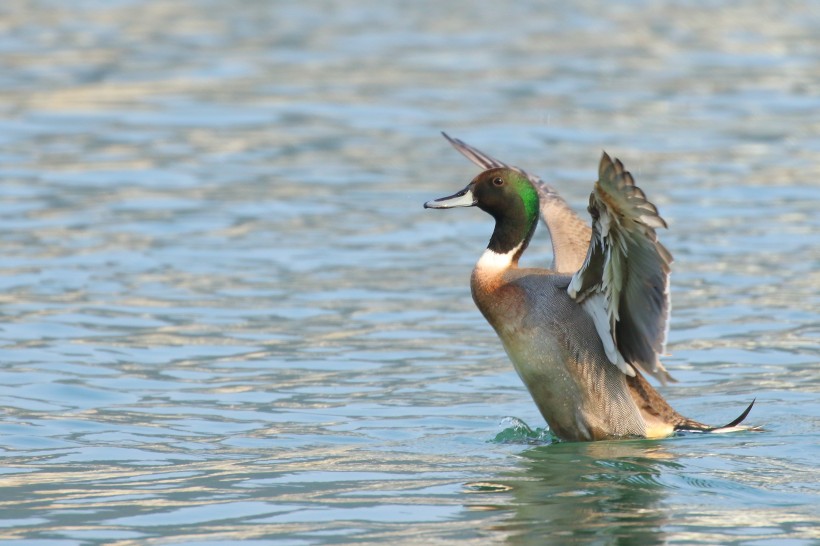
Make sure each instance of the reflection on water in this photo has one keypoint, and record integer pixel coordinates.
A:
(226, 317)
(599, 493)
(626, 492)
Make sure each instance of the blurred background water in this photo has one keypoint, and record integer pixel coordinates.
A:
(227, 318)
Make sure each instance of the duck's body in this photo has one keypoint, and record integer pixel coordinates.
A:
(577, 333)
(548, 340)
(556, 351)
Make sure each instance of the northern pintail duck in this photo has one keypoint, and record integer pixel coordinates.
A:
(581, 334)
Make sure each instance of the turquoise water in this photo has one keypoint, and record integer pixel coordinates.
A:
(226, 317)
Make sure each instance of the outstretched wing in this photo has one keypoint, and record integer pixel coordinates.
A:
(569, 233)
(624, 281)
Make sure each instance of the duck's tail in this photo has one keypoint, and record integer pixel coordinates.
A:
(693, 426)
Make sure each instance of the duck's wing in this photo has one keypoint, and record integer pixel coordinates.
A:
(624, 281)
(569, 233)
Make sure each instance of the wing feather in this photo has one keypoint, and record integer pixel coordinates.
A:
(625, 276)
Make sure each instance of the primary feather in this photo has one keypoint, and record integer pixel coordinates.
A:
(624, 281)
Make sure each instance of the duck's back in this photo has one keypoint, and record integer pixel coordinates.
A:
(556, 351)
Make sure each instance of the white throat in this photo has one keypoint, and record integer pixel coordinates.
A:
(493, 261)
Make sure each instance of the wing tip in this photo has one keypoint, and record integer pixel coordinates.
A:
(663, 376)
(614, 179)
(605, 164)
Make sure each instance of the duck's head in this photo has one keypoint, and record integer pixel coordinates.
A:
(509, 197)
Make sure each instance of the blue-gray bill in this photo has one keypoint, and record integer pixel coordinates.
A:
(464, 198)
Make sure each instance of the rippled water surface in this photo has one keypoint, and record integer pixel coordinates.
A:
(227, 318)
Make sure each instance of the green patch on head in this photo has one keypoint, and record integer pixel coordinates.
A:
(528, 195)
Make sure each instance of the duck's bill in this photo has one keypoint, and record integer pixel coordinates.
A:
(464, 198)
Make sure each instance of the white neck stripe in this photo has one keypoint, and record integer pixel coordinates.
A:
(493, 261)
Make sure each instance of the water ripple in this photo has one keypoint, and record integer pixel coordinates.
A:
(227, 318)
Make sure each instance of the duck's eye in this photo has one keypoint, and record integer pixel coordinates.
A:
(498, 181)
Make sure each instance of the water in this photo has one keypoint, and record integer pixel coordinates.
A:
(227, 318)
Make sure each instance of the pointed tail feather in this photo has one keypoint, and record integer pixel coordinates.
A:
(734, 426)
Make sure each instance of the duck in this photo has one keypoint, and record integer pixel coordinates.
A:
(583, 333)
